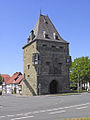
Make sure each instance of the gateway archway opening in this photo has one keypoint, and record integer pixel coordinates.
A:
(53, 87)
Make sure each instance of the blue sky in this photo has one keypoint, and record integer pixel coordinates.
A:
(18, 17)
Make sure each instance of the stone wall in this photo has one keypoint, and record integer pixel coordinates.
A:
(29, 86)
(51, 66)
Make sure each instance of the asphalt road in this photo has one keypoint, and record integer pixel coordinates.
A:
(44, 107)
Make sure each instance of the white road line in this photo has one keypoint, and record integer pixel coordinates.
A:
(76, 105)
(27, 113)
(41, 111)
(19, 114)
(22, 118)
(61, 108)
(2, 116)
(10, 115)
(1, 107)
(56, 112)
(35, 112)
(48, 110)
(82, 108)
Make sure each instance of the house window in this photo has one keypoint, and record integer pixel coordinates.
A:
(28, 66)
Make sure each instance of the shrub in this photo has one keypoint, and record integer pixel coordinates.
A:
(0, 92)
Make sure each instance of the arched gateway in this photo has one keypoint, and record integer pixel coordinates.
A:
(53, 87)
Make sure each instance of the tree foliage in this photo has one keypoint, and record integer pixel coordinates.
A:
(80, 71)
(0, 79)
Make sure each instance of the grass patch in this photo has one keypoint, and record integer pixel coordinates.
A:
(88, 118)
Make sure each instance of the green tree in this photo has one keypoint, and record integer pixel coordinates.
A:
(80, 72)
(0, 79)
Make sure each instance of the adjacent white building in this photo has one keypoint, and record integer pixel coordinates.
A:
(12, 85)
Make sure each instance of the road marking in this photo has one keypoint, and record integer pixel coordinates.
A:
(48, 110)
(22, 118)
(35, 112)
(19, 114)
(2, 116)
(56, 112)
(41, 111)
(76, 105)
(1, 107)
(10, 115)
(27, 113)
(61, 108)
(82, 108)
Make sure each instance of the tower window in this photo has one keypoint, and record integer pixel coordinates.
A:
(53, 46)
(28, 75)
(47, 63)
(45, 35)
(28, 66)
(45, 21)
(36, 58)
(55, 36)
(61, 47)
(44, 45)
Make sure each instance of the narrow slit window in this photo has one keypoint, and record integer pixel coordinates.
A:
(28, 66)
(44, 45)
(53, 46)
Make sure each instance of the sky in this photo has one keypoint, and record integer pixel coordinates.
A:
(18, 17)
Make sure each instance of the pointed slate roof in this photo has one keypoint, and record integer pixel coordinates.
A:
(44, 25)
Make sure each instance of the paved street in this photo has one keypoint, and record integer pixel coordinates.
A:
(44, 107)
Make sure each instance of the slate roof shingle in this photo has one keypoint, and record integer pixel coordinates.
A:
(44, 24)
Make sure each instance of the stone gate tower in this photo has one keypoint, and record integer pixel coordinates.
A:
(46, 60)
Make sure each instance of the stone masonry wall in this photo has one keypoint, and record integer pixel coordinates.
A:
(53, 66)
(29, 86)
